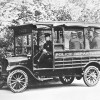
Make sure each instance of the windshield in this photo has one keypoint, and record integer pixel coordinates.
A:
(23, 45)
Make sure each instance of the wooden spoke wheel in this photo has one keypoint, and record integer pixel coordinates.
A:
(91, 76)
(17, 81)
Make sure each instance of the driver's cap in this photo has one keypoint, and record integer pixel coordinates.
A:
(47, 34)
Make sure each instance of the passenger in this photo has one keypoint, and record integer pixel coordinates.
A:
(96, 41)
(80, 36)
(74, 42)
(90, 37)
(47, 48)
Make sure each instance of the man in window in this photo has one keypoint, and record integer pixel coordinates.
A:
(74, 42)
(90, 39)
(96, 40)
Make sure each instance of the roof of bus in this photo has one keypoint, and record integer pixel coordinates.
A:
(23, 29)
(66, 23)
(21, 26)
(58, 23)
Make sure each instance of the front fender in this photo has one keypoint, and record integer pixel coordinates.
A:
(10, 68)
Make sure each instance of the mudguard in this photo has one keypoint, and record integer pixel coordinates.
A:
(94, 63)
(10, 68)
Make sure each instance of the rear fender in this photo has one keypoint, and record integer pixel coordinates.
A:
(10, 68)
(95, 63)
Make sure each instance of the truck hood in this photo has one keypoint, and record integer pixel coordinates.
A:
(17, 60)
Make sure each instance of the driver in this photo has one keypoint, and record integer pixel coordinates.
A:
(47, 48)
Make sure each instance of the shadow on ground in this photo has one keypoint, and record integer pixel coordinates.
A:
(53, 84)
(48, 84)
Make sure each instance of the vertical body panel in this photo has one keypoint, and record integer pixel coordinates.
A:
(53, 45)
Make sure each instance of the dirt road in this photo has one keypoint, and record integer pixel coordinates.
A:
(54, 90)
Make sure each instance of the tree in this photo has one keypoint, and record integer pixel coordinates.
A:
(18, 12)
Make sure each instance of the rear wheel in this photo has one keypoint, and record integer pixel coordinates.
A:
(91, 76)
(66, 79)
(17, 81)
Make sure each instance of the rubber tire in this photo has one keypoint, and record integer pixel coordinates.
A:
(11, 75)
(66, 82)
(85, 74)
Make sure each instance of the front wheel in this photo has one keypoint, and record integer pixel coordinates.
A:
(17, 80)
(91, 76)
(66, 79)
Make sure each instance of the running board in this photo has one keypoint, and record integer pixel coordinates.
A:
(44, 79)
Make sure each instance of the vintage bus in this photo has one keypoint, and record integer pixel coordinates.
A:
(75, 53)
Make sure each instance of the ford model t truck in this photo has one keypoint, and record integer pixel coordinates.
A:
(75, 54)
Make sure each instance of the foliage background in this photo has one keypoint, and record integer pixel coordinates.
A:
(19, 12)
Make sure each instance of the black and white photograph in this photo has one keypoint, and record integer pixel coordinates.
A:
(50, 49)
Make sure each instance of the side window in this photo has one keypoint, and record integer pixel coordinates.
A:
(23, 44)
(67, 39)
(74, 39)
(58, 40)
(92, 38)
(58, 37)
(71, 38)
